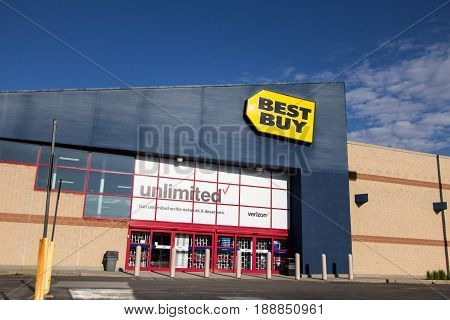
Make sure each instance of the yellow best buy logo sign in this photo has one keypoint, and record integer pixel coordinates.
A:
(281, 115)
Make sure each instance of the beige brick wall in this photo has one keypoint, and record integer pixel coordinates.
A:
(95, 241)
(13, 239)
(75, 246)
(396, 210)
(396, 163)
(17, 194)
(399, 260)
(445, 169)
(447, 215)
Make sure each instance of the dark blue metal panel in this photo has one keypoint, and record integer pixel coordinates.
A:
(295, 227)
(116, 119)
(170, 117)
(2, 108)
(28, 115)
(181, 120)
(75, 114)
(223, 106)
(325, 217)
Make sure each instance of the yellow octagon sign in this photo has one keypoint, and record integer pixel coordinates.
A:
(281, 115)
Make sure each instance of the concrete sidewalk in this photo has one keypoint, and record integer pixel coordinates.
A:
(261, 276)
(160, 275)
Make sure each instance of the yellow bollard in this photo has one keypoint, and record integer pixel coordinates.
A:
(49, 267)
(40, 273)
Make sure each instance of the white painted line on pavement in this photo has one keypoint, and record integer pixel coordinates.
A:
(102, 294)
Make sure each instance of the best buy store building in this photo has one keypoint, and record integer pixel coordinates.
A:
(252, 167)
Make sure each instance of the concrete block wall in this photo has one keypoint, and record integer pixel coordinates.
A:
(396, 232)
(79, 243)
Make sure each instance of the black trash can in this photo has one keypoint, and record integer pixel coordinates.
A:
(110, 260)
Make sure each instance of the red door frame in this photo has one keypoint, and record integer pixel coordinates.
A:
(255, 239)
(211, 250)
(129, 243)
(216, 248)
(150, 267)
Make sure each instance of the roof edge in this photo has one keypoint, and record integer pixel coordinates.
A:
(428, 154)
(169, 87)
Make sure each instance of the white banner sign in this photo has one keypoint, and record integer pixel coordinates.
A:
(204, 194)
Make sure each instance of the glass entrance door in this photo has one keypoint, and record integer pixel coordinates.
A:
(138, 238)
(263, 246)
(225, 253)
(245, 244)
(279, 254)
(183, 246)
(160, 253)
(201, 243)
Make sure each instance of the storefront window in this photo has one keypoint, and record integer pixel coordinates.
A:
(107, 207)
(110, 183)
(103, 181)
(72, 180)
(110, 162)
(65, 157)
(18, 152)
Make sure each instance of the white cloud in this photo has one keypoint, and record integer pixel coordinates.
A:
(361, 95)
(286, 75)
(287, 72)
(300, 77)
(405, 105)
(249, 78)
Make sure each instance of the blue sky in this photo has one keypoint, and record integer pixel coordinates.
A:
(399, 96)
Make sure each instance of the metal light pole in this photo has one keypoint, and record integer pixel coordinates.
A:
(51, 247)
(444, 226)
(49, 180)
(40, 288)
(56, 210)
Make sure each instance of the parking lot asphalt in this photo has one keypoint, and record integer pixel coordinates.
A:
(100, 287)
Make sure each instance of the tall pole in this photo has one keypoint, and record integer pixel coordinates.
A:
(51, 248)
(56, 209)
(444, 226)
(49, 180)
(43, 273)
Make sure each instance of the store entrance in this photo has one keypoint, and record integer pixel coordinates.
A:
(190, 248)
(157, 246)
(191, 251)
(254, 251)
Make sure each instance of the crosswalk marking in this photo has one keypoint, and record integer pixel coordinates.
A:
(102, 294)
